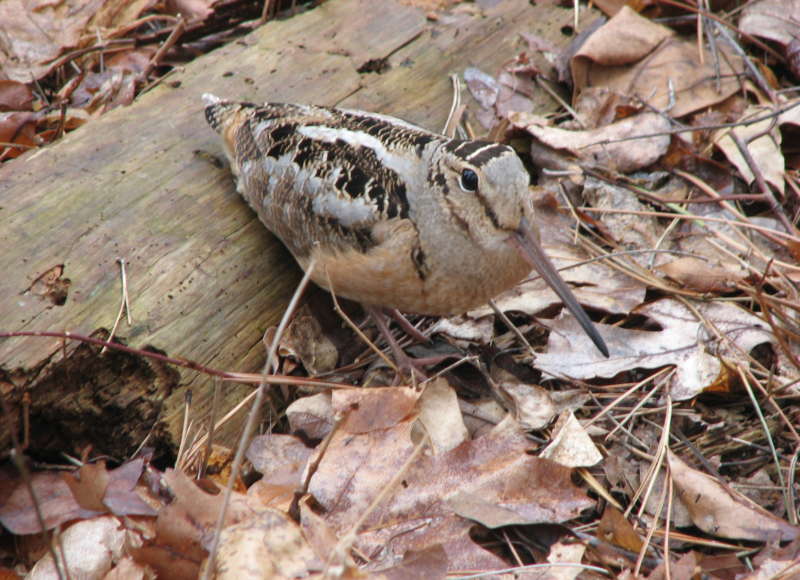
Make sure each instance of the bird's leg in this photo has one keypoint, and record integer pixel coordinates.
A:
(407, 327)
(408, 365)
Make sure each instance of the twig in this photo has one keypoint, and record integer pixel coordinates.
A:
(179, 362)
(663, 446)
(343, 546)
(124, 304)
(456, 109)
(752, 69)
(338, 309)
(187, 406)
(252, 417)
(210, 435)
(513, 327)
(173, 37)
(762, 183)
(760, 414)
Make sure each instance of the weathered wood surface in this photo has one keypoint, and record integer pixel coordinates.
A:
(205, 278)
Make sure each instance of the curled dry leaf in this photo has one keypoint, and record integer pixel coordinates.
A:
(440, 416)
(636, 57)
(266, 545)
(281, 459)
(533, 406)
(184, 527)
(465, 329)
(17, 127)
(683, 341)
(571, 445)
(90, 549)
(762, 139)
(51, 285)
(720, 511)
(771, 19)
(566, 552)
(313, 415)
(625, 145)
(483, 87)
(617, 530)
(88, 485)
(701, 276)
(304, 340)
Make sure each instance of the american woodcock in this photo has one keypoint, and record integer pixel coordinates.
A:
(394, 216)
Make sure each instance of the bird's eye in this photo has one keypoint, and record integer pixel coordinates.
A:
(469, 180)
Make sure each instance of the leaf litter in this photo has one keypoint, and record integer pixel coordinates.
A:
(668, 194)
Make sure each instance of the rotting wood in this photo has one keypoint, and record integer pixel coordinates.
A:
(205, 278)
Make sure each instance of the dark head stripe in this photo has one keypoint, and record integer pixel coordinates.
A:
(477, 153)
(483, 156)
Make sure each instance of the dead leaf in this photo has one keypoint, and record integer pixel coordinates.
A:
(304, 340)
(267, 545)
(614, 528)
(465, 330)
(18, 128)
(55, 501)
(636, 57)
(90, 549)
(683, 341)
(493, 475)
(440, 416)
(313, 415)
(366, 410)
(281, 459)
(701, 276)
(89, 487)
(532, 405)
(571, 446)
(723, 512)
(773, 562)
(762, 139)
(771, 19)
(184, 527)
(15, 96)
(115, 85)
(124, 495)
(192, 10)
(128, 569)
(483, 87)
(37, 33)
(430, 563)
(624, 146)
(563, 553)
(628, 229)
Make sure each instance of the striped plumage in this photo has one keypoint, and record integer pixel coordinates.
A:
(396, 216)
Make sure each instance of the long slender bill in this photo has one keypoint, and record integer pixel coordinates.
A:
(530, 249)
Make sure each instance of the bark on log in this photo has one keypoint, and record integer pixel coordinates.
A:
(205, 279)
